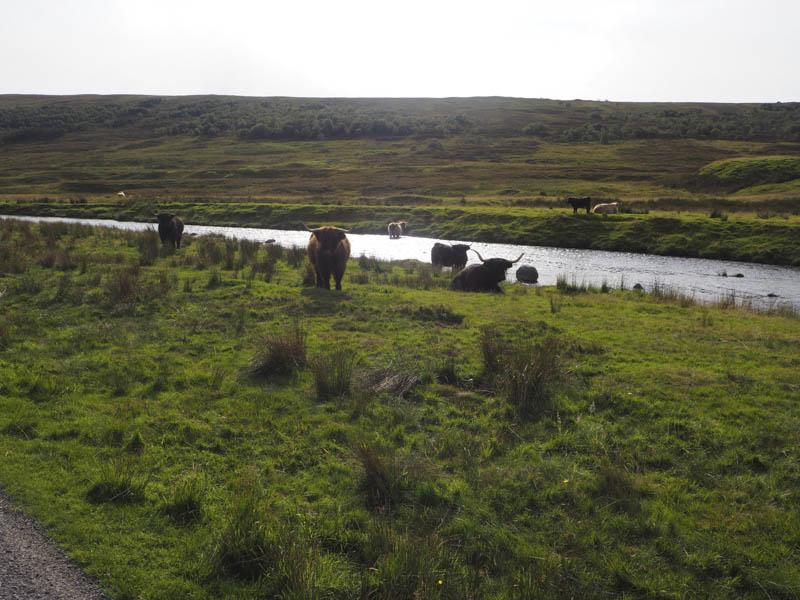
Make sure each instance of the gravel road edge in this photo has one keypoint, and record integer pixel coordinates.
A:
(32, 566)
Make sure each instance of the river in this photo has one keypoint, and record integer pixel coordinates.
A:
(705, 280)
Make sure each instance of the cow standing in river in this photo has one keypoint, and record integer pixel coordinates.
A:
(444, 255)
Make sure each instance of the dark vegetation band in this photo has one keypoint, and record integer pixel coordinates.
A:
(43, 118)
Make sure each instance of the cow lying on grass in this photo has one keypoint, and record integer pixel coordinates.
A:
(611, 208)
(484, 277)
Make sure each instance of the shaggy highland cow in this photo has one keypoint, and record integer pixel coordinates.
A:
(611, 208)
(454, 256)
(484, 277)
(394, 231)
(328, 251)
(170, 228)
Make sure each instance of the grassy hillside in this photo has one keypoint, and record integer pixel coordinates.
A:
(474, 168)
(203, 424)
(479, 149)
(738, 173)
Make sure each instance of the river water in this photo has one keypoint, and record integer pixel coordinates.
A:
(705, 280)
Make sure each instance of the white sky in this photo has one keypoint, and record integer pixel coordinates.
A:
(625, 50)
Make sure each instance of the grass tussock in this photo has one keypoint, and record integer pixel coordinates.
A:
(123, 285)
(22, 424)
(149, 246)
(280, 353)
(333, 373)
(119, 482)
(425, 567)
(185, 502)
(567, 286)
(295, 256)
(530, 377)
(385, 480)
(446, 369)
(257, 544)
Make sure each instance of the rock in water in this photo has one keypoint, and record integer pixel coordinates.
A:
(527, 274)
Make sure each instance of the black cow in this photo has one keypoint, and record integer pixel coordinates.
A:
(583, 202)
(170, 229)
(454, 256)
(484, 277)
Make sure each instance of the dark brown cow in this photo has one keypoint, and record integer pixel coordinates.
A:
(328, 251)
(484, 277)
(444, 255)
(394, 231)
(170, 228)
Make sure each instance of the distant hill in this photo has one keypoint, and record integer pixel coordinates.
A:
(37, 118)
(738, 173)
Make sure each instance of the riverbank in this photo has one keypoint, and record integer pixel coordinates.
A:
(774, 240)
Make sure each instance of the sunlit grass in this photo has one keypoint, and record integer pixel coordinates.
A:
(589, 441)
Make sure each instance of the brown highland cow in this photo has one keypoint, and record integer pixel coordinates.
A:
(328, 251)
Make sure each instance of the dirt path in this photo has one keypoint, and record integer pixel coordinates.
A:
(33, 567)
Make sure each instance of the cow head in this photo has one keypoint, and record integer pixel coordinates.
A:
(497, 266)
(328, 236)
(164, 218)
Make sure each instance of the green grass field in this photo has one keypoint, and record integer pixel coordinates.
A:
(205, 424)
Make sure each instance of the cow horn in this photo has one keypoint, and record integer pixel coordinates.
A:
(478, 253)
(518, 259)
(321, 228)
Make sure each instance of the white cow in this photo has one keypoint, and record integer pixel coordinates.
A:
(610, 208)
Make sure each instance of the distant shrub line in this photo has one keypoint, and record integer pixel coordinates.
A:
(321, 119)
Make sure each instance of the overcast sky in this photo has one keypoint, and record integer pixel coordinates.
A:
(625, 50)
